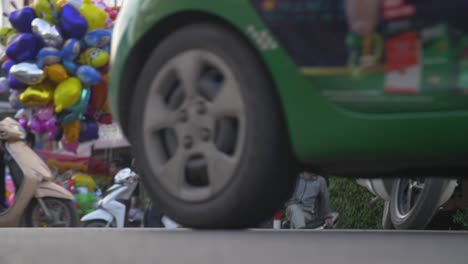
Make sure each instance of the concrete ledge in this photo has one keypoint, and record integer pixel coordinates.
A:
(129, 246)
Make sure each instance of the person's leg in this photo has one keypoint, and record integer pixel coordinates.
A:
(296, 216)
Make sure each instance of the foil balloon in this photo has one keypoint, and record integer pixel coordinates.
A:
(77, 4)
(13, 99)
(48, 56)
(88, 75)
(5, 34)
(56, 73)
(45, 113)
(45, 10)
(89, 130)
(23, 47)
(4, 85)
(27, 73)
(98, 38)
(48, 33)
(2, 52)
(73, 24)
(70, 146)
(98, 96)
(67, 94)
(6, 66)
(94, 57)
(25, 124)
(37, 126)
(104, 118)
(21, 19)
(24, 113)
(77, 112)
(71, 131)
(112, 12)
(14, 84)
(95, 16)
(70, 51)
(39, 95)
(100, 4)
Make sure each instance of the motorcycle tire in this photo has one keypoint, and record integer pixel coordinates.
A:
(94, 224)
(34, 207)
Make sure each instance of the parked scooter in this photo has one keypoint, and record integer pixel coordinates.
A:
(109, 212)
(39, 202)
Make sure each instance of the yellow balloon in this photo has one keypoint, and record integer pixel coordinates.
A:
(67, 94)
(5, 34)
(43, 10)
(56, 73)
(94, 57)
(83, 179)
(59, 4)
(72, 131)
(95, 16)
(38, 95)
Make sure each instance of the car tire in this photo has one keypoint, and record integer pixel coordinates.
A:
(425, 205)
(386, 219)
(245, 170)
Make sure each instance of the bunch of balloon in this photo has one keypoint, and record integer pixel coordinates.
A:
(55, 62)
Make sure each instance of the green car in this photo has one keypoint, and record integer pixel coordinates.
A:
(224, 101)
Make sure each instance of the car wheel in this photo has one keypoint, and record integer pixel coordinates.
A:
(208, 132)
(386, 219)
(415, 201)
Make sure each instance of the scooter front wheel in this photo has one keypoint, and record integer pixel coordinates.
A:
(95, 223)
(51, 212)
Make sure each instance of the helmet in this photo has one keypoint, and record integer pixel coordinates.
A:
(125, 175)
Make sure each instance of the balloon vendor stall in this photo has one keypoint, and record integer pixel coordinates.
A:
(55, 66)
(54, 62)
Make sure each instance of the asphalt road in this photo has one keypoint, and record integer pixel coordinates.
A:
(131, 246)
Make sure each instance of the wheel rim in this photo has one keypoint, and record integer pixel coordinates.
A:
(59, 211)
(194, 125)
(408, 194)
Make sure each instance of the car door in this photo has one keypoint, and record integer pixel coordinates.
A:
(377, 56)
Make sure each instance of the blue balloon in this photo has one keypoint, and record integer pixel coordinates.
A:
(24, 47)
(88, 75)
(48, 56)
(98, 38)
(15, 84)
(21, 19)
(70, 51)
(89, 130)
(6, 66)
(72, 22)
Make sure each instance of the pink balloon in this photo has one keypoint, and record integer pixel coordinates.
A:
(37, 126)
(72, 147)
(50, 124)
(24, 123)
(44, 113)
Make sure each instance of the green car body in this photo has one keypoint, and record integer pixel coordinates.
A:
(380, 135)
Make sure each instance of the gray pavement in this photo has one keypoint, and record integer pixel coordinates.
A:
(129, 246)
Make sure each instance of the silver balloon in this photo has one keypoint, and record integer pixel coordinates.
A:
(2, 52)
(13, 99)
(27, 73)
(48, 33)
(4, 85)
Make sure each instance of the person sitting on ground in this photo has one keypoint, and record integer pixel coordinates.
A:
(310, 201)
